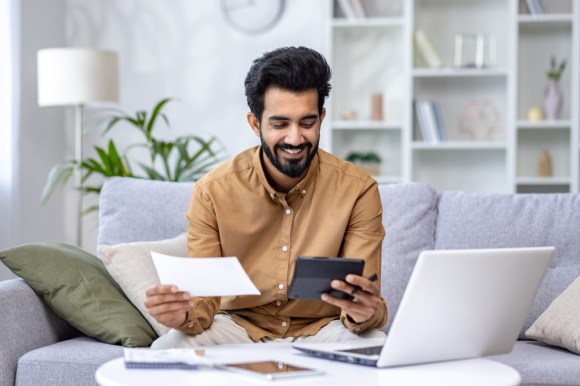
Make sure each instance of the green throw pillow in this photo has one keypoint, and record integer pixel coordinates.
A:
(76, 285)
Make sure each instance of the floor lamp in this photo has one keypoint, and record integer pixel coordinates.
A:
(77, 77)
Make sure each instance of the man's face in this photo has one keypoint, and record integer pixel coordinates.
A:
(289, 129)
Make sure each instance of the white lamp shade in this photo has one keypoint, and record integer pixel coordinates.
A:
(76, 76)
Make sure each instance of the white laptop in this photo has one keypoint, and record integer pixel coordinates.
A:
(458, 304)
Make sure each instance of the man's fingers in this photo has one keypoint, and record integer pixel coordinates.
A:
(161, 289)
(169, 307)
(364, 283)
(359, 311)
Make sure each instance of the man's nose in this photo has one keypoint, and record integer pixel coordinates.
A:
(294, 136)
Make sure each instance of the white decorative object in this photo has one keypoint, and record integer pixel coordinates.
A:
(77, 76)
(474, 50)
(480, 119)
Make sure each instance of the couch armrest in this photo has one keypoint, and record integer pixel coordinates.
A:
(26, 323)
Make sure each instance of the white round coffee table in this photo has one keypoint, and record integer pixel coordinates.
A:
(474, 372)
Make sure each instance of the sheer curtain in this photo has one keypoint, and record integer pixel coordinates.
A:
(9, 97)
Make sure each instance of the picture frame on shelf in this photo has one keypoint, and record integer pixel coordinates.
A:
(474, 50)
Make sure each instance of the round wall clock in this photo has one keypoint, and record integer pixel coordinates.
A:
(252, 16)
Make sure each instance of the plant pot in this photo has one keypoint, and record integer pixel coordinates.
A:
(371, 168)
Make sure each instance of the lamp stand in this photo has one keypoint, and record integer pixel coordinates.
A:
(79, 171)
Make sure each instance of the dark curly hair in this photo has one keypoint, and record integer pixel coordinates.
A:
(289, 68)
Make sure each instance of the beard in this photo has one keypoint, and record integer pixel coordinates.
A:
(293, 168)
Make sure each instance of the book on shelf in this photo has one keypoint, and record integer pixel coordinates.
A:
(352, 9)
(359, 8)
(429, 120)
(439, 121)
(535, 7)
(427, 49)
(347, 9)
(421, 123)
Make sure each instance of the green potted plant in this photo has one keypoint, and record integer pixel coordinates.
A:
(186, 158)
(369, 161)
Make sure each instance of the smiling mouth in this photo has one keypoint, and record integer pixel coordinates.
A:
(292, 151)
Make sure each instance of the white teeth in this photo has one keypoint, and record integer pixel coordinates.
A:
(294, 151)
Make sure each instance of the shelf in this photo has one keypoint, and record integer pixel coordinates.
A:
(459, 145)
(368, 22)
(543, 181)
(560, 124)
(361, 125)
(546, 19)
(458, 72)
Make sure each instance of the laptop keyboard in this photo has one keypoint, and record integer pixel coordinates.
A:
(375, 350)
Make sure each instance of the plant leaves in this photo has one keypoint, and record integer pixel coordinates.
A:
(185, 158)
(156, 110)
(58, 175)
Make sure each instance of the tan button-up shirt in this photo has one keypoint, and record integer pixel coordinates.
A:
(334, 211)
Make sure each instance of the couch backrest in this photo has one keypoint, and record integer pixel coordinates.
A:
(133, 209)
(409, 217)
(142, 210)
(484, 220)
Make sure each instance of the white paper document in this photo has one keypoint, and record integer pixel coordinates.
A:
(211, 276)
(175, 358)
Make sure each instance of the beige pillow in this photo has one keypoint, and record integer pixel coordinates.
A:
(559, 325)
(132, 268)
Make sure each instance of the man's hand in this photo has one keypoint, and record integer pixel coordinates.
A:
(366, 297)
(168, 305)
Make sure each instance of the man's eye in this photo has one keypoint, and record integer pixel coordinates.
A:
(279, 125)
(308, 124)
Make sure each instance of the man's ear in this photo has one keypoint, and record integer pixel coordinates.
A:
(322, 115)
(254, 123)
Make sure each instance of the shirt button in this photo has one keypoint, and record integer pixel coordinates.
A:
(303, 191)
(357, 329)
(278, 303)
(284, 324)
(281, 286)
(284, 248)
(190, 325)
(288, 211)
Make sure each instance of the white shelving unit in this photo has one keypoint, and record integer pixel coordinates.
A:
(367, 57)
(377, 54)
(539, 37)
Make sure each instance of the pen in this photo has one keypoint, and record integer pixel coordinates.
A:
(372, 277)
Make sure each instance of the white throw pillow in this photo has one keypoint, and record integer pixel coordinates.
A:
(559, 324)
(132, 268)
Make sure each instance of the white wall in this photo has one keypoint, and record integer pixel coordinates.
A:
(178, 48)
(41, 140)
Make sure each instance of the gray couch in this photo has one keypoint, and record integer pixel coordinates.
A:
(39, 348)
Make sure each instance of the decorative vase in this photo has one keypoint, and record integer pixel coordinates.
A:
(545, 165)
(552, 100)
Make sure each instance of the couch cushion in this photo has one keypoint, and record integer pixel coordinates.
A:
(541, 364)
(43, 327)
(409, 215)
(484, 220)
(76, 285)
(131, 265)
(71, 362)
(133, 209)
(560, 323)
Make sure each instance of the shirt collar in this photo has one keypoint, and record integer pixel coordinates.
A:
(302, 186)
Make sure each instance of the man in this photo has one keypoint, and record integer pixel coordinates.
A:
(272, 203)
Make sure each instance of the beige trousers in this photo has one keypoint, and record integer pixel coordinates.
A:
(225, 331)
